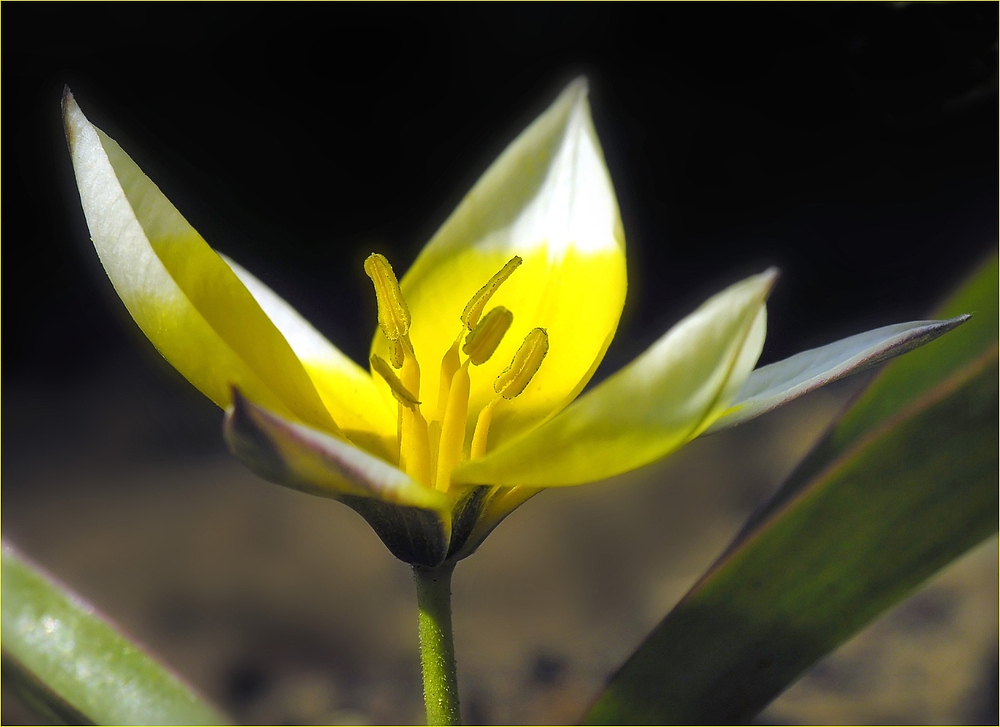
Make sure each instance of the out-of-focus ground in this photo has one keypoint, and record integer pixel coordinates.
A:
(286, 609)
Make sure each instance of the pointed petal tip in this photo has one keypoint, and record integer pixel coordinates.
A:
(239, 411)
(67, 104)
(575, 94)
(579, 86)
(940, 327)
(765, 281)
(946, 325)
(237, 402)
(73, 118)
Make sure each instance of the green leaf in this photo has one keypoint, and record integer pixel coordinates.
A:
(74, 667)
(905, 482)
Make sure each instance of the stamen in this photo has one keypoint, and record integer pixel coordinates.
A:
(450, 363)
(447, 432)
(393, 315)
(453, 428)
(396, 354)
(434, 443)
(416, 446)
(414, 452)
(475, 307)
(429, 452)
(410, 374)
(486, 336)
(482, 433)
(510, 383)
(524, 366)
(402, 394)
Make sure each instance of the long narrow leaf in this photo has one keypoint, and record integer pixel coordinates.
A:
(73, 667)
(905, 482)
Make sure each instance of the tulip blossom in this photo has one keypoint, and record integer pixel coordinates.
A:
(472, 400)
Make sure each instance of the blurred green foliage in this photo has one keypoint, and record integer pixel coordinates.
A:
(903, 483)
(73, 667)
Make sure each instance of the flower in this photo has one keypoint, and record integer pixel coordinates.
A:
(473, 403)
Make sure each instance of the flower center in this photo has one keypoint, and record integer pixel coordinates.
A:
(429, 451)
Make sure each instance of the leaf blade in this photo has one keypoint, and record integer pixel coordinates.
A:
(76, 664)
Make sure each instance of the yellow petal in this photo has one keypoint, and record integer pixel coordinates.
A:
(664, 398)
(347, 389)
(186, 300)
(549, 199)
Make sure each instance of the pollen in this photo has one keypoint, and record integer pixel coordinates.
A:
(486, 336)
(510, 383)
(476, 306)
(400, 392)
(393, 315)
(528, 359)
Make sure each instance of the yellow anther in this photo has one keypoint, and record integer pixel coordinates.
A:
(475, 307)
(402, 394)
(528, 358)
(396, 351)
(486, 336)
(393, 315)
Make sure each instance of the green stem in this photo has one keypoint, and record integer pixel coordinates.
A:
(437, 645)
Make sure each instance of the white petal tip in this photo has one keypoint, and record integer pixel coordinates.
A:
(574, 95)
(579, 86)
(69, 110)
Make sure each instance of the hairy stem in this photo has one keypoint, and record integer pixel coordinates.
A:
(437, 645)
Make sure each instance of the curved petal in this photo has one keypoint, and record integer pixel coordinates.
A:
(664, 398)
(414, 522)
(347, 390)
(549, 199)
(306, 459)
(183, 296)
(776, 384)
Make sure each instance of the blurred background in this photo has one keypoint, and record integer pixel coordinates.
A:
(852, 145)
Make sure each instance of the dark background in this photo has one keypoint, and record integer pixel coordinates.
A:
(852, 145)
